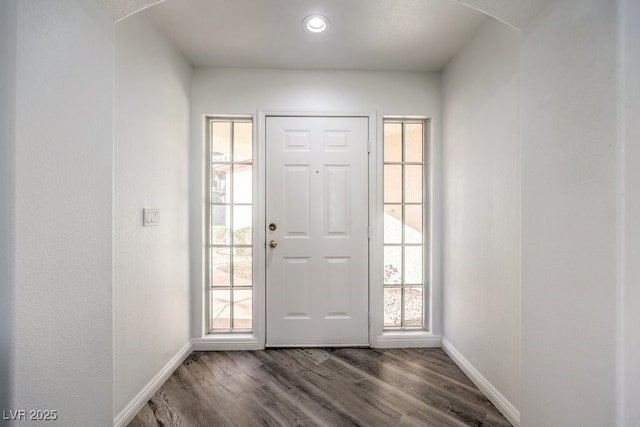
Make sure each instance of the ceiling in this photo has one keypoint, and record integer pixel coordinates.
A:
(381, 35)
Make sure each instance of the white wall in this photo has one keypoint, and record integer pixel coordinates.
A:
(481, 218)
(7, 172)
(243, 91)
(629, 377)
(151, 264)
(569, 228)
(63, 218)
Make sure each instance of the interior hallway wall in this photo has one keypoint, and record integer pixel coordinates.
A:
(629, 93)
(62, 193)
(151, 152)
(569, 218)
(244, 91)
(7, 195)
(481, 238)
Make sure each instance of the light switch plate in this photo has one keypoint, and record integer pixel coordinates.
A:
(150, 217)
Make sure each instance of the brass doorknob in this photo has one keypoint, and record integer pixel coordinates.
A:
(273, 243)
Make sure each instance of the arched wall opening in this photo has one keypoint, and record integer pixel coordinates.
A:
(485, 73)
(516, 14)
(568, 88)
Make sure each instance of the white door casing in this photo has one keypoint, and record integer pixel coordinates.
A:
(317, 287)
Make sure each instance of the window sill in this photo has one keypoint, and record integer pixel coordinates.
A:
(226, 342)
(406, 339)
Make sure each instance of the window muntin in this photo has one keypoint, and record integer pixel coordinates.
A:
(404, 222)
(230, 225)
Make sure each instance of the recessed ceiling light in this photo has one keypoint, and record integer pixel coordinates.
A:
(315, 23)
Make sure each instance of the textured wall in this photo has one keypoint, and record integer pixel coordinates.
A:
(151, 276)
(7, 172)
(63, 219)
(569, 130)
(629, 377)
(481, 155)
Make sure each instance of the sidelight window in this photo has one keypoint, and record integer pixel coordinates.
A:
(230, 225)
(404, 224)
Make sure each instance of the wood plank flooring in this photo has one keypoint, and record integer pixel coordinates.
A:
(319, 387)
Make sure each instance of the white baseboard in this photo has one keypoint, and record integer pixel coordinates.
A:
(504, 406)
(131, 410)
(406, 340)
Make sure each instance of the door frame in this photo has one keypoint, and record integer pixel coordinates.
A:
(260, 302)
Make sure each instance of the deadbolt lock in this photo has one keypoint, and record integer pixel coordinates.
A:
(272, 227)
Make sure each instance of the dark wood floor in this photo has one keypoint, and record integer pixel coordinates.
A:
(319, 387)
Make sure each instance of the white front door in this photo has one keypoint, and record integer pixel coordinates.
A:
(317, 290)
